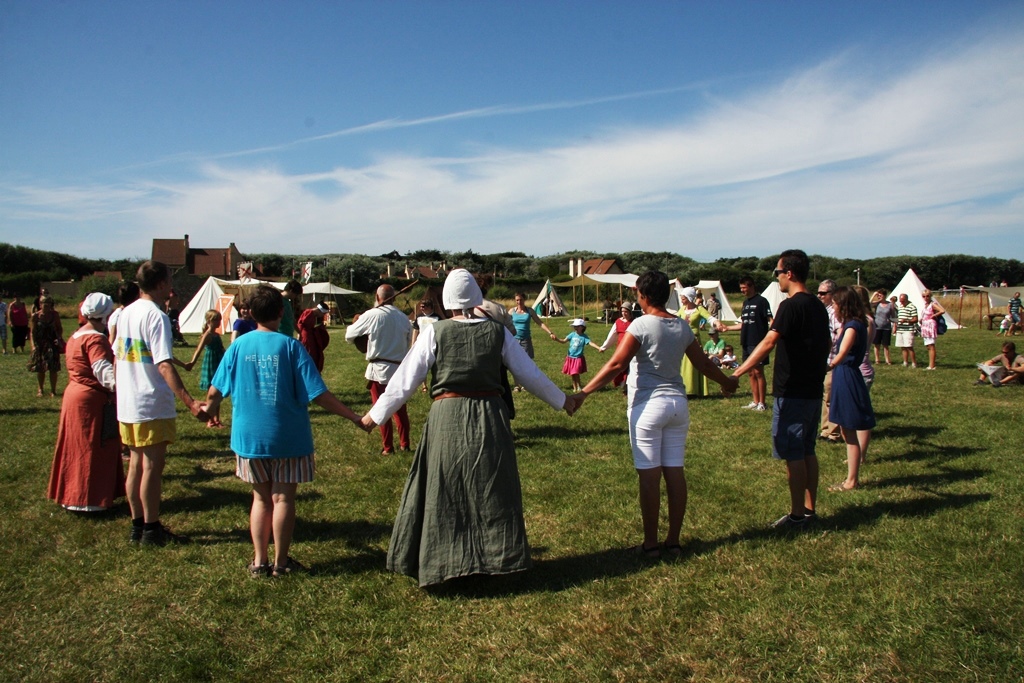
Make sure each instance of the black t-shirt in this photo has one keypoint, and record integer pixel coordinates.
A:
(754, 319)
(801, 357)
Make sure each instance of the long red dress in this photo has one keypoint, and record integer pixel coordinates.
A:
(87, 473)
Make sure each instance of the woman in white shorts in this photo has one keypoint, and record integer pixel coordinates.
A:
(653, 347)
(929, 325)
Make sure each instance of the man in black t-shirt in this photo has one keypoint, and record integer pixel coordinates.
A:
(800, 331)
(755, 319)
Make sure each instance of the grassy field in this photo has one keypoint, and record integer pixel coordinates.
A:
(916, 576)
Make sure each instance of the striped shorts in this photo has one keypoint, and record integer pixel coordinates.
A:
(280, 470)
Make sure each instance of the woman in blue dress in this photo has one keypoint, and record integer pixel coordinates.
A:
(850, 406)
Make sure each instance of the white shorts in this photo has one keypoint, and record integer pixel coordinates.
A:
(928, 341)
(905, 340)
(657, 432)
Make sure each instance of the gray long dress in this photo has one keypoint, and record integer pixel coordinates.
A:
(462, 507)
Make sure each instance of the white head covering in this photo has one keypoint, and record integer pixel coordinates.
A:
(97, 305)
(578, 322)
(690, 293)
(461, 292)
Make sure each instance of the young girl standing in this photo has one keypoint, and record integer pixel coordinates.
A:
(211, 341)
(575, 364)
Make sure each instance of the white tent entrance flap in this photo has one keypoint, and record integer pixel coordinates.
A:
(775, 296)
(548, 303)
(912, 286)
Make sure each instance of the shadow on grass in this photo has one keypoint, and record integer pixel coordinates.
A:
(55, 409)
(930, 454)
(546, 576)
(849, 518)
(891, 431)
(928, 481)
(575, 431)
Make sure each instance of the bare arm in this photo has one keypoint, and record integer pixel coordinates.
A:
(762, 350)
(624, 352)
(331, 404)
(536, 319)
(701, 361)
(170, 376)
(849, 337)
(199, 348)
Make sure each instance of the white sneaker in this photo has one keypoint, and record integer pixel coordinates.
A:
(750, 406)
(904, 364)
(760, 408)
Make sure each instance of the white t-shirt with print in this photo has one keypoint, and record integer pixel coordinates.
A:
(143, 342)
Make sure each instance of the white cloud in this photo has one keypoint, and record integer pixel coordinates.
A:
(839, 159)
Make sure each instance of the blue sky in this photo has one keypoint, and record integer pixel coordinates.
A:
(853, 129)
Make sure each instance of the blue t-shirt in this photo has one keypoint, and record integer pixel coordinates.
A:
(521, 321)
(577, 344)
(271, 379)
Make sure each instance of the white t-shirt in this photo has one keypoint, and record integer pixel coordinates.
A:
(143, 342)
(655, 369)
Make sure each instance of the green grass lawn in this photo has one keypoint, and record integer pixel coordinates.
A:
(915, 576)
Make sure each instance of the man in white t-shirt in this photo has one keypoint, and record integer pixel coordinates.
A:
(146, 386)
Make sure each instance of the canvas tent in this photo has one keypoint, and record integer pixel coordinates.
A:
(706, 288)
(912, 286)
(775, 296)
(620, 279)
(220, 294)
(548, 303)
(215, 293)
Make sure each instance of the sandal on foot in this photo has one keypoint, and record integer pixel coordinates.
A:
(290, 567)
(258, 571)
(841, 487)
(649, 553)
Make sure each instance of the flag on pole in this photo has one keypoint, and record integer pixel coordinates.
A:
(245, 270)
(307, 272)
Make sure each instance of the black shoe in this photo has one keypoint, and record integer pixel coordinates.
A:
(161, 536)
(788, 522)
(135, 535)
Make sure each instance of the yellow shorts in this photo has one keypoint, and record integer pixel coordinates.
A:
(148, 433)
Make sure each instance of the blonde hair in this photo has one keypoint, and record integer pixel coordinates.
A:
(212, 315)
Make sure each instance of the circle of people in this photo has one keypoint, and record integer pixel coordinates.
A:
(461, 511)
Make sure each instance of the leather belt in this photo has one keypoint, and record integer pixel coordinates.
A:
(467, 394)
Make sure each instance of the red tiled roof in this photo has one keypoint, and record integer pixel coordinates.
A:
(171, 252)
(599, 266)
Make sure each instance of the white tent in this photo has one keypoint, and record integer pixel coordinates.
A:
(706, 288)
(774, 295)
(215, 293)
(548, 303)
(912, 286)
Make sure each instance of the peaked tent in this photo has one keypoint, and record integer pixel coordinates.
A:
(912, 286)
(706, 288)
(214, 293)
(548, 303)
(775, 296)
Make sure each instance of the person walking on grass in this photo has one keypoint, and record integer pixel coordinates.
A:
(271, 380)
(146, 386)
(575, 362)
(801, 333)
(755, 319)
(850, 406)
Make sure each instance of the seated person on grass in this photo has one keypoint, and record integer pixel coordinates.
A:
(729, 357)
(1006, 368)
(715, 347)
(271, 379)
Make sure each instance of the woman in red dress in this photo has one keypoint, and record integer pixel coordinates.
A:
(87, 474)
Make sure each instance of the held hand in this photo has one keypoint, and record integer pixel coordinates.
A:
(729, 386)
(198, 411)
(367, 424)
(553, 336)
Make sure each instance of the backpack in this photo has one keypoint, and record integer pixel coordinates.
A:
(940, 325)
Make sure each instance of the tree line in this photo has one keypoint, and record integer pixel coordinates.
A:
(23, 268)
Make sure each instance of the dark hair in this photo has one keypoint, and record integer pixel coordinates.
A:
(1011, 347)
(746, 280)
(293, 287)
(848, 304)
(151, 275)
(797, 263)
(654, 286)
(266, 304)
(127, 293)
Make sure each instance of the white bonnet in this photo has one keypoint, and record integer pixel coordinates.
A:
(690, 293)
(461, 292)
(97, 305)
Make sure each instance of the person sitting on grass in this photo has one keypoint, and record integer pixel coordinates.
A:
(271, 380)
(1006, 368)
